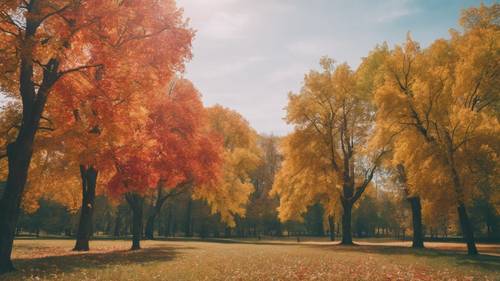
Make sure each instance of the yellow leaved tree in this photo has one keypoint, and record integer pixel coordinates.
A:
(327, 158)
(241, 158)
(444, 100)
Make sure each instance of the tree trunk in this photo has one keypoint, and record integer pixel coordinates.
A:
(465, 224)
(84, 232)
(467, 231)
(346, 224)
(19, 157)
(187, 224)
(416, 213)
(155, 211)
(149, 232)
(118, 225)
(19, 152)
(169, 222)
(136, 205)
(331, 228)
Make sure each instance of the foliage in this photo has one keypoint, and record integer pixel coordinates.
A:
(240, 158)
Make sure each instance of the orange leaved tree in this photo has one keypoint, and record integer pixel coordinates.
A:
(47, 42)
(105, 100)
(172, 147)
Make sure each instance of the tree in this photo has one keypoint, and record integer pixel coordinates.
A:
(45, 42)
(125, 51)
(416, 207)
(445, 100)
(41, 43)
(189, 153)
(326, 157)
(171, 147)
(261, 211)
(241, 156)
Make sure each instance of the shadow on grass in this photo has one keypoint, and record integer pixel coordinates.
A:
(484, 261)
(49, 265)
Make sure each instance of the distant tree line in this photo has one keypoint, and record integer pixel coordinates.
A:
(381, 213)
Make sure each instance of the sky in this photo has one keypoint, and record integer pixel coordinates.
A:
(249, 54)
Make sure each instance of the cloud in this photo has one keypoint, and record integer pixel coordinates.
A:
(224, 25)
(395, 9)
(249, 54)
(294, 72)
(316, 47)
(394, 15)
(231, 67)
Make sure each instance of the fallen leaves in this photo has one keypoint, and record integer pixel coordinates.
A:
(162, 260)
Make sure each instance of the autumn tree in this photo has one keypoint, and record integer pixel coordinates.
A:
(241, 156)
(39, 42)
(261, 211)
(415, 203)
(44, 42)
(104, 98)
(444, 99)
(189, 153)
(171, 148)
(326, 157)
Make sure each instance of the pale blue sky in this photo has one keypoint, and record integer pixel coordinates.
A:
(249, 54)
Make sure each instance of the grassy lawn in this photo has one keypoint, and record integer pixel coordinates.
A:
(265, 260)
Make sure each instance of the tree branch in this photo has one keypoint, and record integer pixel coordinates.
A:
(57, 11)
(79, 68)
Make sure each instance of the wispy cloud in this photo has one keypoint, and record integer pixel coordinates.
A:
(227, 68)
(395, 9)
(223, 25)
(249, 54)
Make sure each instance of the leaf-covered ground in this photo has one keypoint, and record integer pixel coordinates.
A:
(191, 260)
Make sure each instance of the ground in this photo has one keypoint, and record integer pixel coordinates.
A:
(247, 260)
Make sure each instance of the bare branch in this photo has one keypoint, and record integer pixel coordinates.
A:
(56, 12)
(79, 69)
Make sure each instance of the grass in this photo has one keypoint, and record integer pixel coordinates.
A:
(250, 260)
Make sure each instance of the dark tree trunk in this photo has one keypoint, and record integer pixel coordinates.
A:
(84, 232)
(154, 212)
(169, 222)
(188, 224)
(416, 209)
(416, 214)
(346, 224)
(465, 224)
(19, 157)
(149, 231)
(118, 225)
(227, 232)
(331, 228)
(467, 231)
(19, 152)
(136, 203)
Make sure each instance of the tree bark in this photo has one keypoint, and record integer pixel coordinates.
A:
(136, 203)
(187, 224)
(467, 231)
(118, 225)
(84, 232)
(19, 157)
(466, 226)
(169, 222)
(149, 230)
(331, 228)
(346, 224)
(153, 213)
(19, 152)
(416, 213)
